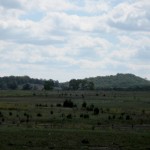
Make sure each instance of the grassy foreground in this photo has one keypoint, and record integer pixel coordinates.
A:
(13, 138)
(32, 120)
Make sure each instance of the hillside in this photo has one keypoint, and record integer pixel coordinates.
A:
(120, 81)
(112, 82)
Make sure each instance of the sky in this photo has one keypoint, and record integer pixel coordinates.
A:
(66, 39)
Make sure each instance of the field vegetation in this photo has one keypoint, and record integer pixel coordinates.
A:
(94, 120)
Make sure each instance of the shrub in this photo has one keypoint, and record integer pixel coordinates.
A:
(109, 117)
(84, 105)
(58, 105)
(81, 115)
(68, 103)
(85, 141)
(96, 111)
(90, 108)
(1, 115)
(86, 116)
(113, 116)
(10, 113)
(69, 116)
(39, 115)
(128, 117)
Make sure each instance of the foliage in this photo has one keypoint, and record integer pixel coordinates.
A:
(84, 104)
(120, 82)
(68, 103)
(96, 111)
(27, 86)
(80, 85)
(49, 85)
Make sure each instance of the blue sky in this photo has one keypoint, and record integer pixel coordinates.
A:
(65, 39)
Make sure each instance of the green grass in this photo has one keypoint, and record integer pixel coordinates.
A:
(23, 138)
(21, 126)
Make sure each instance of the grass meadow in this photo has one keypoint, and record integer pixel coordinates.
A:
(92, 120)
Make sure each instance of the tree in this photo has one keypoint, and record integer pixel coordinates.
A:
(12, 85)
(27, 86)
(49, 85)
(74, 84)
(91, 86)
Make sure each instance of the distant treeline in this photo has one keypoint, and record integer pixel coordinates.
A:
(14, 82)
(119, 82)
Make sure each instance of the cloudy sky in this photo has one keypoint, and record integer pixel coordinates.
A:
(64, 39)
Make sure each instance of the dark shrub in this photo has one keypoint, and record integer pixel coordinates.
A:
(97, 94)
(113, 116)
(81, 115)
(58, 105)
(85, 141)
(96, 111)
(90, 108)
(69, 116)
(10, 113)
(68, 103)
(109, 117)
(128, 117)
(39, 115)
(86, 116)
(84, 105)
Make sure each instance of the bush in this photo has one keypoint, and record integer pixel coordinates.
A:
(113, 116)
(10, 113)
(39, 115)
(69, 116)
(81, 115)
(84, 105)
(128, 117)
(68, 103)
(90, 108)
(86, 116)
(58, 105)
(85, 141)
(96, 111)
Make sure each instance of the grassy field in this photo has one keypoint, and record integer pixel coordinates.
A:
(96, 120)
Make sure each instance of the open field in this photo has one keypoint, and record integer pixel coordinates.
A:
(95, 120)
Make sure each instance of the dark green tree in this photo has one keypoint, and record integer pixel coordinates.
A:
(74, 84)
(49, 85)
(27, 86)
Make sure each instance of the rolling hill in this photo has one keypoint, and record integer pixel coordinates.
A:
(120, 81)
(112, 82)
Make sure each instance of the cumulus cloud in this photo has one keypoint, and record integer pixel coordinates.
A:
(76, 39)
(131, 16)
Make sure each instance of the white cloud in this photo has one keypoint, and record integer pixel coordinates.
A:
(92, 37)
(131, 16)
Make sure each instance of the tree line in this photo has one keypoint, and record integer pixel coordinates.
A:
(119, 82)
(27, 83)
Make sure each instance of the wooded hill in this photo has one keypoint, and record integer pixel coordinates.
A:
(112, 82)
(120, 82)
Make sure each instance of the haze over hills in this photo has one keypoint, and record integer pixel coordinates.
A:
(112, 82)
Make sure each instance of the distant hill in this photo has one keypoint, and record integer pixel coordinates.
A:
(120, 81)
(17, 82)
(112, 82)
